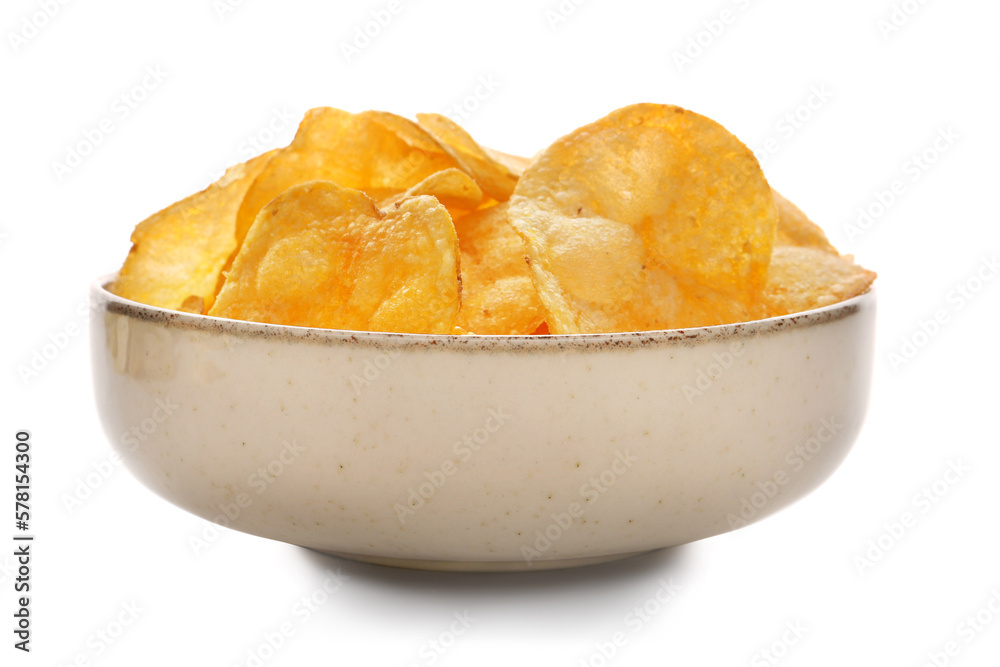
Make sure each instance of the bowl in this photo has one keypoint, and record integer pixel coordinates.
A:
(480, 453)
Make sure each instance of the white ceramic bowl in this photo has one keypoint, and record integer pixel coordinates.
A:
(481, 453)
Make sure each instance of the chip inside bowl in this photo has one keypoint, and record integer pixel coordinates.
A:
(320, 255)
(653, 217)
(179, 252)
(379, 153)
(498, 296)
(803, 278)
(496, 173)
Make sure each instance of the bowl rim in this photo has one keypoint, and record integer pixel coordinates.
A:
(101, 294)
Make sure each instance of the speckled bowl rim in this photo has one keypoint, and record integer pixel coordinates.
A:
(382, 340)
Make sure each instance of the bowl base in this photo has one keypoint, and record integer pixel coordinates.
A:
(484, 566)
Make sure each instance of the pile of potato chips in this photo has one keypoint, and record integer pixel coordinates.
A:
(653, 217)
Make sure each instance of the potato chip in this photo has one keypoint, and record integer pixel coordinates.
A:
(180, 251)
(803, 278)
(517, 164)
(453, 188)
(653, 217)
(497, 175)
(595, 275)
(796, 229)
(321, 255)
(193, 304)
(498, 296)
(412, 133)
(366, 151)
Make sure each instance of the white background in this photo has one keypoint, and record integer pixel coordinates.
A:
(229, 75)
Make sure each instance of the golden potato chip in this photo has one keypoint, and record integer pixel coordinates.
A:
(193, 304)
(362, 151)
(653, 217)
(802, 278)
(498, 296)
(180, 251)
(796, 229)
(453, 188)
(412, 133)
(497, 177)
(321, 255)
(515, 163)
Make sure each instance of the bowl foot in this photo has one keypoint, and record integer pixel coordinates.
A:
(483, 566)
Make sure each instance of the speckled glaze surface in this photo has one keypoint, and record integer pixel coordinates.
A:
(481, 453)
